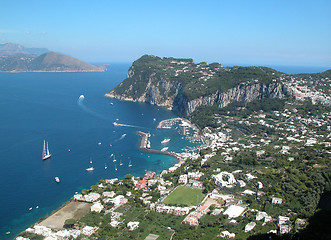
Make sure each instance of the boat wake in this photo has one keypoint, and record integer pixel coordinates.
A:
(81, 104)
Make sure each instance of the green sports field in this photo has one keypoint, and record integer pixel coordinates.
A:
(184, 195)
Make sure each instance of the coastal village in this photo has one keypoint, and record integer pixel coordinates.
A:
(207, 188)
(254, 172)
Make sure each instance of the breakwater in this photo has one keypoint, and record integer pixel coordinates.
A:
(143, 145)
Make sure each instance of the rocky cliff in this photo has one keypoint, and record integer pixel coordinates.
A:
(184, 86)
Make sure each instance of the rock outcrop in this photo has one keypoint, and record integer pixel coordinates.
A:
(147, 83)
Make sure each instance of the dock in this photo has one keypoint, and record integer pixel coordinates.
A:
(143, 142)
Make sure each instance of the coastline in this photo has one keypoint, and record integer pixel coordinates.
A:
(142, 146)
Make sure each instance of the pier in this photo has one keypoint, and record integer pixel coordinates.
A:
(143, 143)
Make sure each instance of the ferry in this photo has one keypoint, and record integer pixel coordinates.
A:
(165, 140)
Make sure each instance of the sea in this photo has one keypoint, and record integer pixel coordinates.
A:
(70, 112)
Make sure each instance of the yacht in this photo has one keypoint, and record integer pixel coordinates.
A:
(46, 154)
(165, 140)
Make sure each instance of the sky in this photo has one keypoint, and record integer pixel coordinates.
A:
(247, 32)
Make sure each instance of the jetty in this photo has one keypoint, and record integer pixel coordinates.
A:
(144, 142)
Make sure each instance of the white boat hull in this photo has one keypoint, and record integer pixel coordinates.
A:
(47, 156)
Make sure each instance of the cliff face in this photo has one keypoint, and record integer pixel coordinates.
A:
(222, 99)
(163, 87)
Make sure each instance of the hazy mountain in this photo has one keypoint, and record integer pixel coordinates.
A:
(16, 58)
(8, 49)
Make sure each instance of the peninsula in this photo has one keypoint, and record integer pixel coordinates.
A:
(16, 58)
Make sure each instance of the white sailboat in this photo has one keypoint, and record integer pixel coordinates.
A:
(46, 154)
(130, 165)
(105, 166)
(114, 160)
(121, 162)
(115, 168)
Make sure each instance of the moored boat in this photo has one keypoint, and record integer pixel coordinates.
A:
(165, 140)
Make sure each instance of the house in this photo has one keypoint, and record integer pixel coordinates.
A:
(283, 229)
(193, 218)
(259, 185)
(132, 225)
(275, 200)
(149, 174)
(141, 184)
(226, 234)
(119, 200)
(108, 194)
(88, 230)
(183, 179)
(241, 183)
(249, 227)
(97, 207)
(79, 197)
(248, 192)
(224, 179)
(92, 197)
(282, 220)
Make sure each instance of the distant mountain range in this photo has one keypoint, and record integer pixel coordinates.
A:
(9, 49)
(17, 58)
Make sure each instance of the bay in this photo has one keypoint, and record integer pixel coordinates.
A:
(38, 106)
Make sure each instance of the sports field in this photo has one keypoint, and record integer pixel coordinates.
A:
(184, 195)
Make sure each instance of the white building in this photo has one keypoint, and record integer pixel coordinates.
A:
(97, 207)
(132, 225)
(234, 211)
(276, 200)
(249, 227)
(227, 234)
(88, 230)
(225, 179)
(183, 179)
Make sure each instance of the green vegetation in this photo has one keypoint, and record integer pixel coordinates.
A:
(196, 80)
(184, 196)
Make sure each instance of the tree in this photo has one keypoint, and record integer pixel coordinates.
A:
(69, 223)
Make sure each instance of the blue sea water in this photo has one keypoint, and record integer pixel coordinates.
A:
(38, 106)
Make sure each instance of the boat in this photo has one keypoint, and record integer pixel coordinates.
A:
(121, 162)
(30, 208)
(7, 233)
(89, 169)
(164, 149)
(115, 124)
(105, 166)
(46, 154)
(165, 140)
(114, 160)
(57, 179)
(130, 165)
(115, 168)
